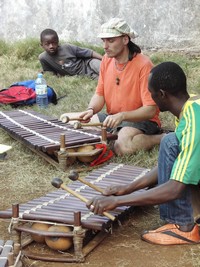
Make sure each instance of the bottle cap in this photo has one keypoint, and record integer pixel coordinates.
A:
(39, 75)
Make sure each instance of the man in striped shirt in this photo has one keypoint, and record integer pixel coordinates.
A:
(177, 175)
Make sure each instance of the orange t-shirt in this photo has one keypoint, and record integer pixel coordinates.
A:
(132, 91)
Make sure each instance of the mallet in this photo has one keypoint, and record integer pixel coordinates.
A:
(58, 183)
(66, 119)
(74, 176)
(79, 125)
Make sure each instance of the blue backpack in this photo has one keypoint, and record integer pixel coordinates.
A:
(23, 93)
(52, 97)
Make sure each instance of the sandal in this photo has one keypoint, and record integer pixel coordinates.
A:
(170, 234)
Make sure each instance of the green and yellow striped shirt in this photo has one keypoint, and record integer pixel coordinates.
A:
(186, 168)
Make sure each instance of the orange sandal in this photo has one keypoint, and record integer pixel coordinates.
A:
(170, 234)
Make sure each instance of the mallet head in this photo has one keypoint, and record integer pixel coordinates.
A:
(57, 182)
(65, 119)
(77, 125)
(73, 175)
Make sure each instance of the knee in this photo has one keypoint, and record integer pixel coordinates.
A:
(95, 64)
(129, 141)
(169, 147)
(126, 145)
(169, 140)
(120, 149)
(120, 143)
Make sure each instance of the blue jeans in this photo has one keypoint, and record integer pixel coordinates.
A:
(178, 211)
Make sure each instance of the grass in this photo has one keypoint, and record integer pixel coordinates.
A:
(24, 175)
(20, 62)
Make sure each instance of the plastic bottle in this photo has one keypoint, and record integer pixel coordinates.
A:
(41, 91)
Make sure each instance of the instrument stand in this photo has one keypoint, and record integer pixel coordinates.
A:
(46, 137)
(80, 250)
(64, 156)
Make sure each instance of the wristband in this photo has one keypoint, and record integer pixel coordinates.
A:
(91, 109)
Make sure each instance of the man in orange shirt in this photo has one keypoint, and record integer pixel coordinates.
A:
(123, 88)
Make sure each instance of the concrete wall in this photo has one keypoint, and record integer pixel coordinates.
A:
(159, 23)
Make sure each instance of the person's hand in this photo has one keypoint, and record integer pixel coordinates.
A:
(100, 204)
(86, 115)
(116, 190)
(112, 121)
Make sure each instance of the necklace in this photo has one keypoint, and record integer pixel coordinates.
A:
(117, 80)
(123, 66)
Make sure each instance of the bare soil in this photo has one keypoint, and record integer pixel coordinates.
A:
(27, 177)
(124, 248)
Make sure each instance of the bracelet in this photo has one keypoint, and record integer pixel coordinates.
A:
(91, 109)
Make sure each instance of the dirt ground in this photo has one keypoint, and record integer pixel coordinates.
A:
(122, 248)
(26, 177)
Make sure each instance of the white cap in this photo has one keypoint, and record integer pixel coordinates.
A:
(116, 27)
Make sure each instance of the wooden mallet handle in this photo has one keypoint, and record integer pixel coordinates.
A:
(66, 119)
(79, 125)
(58, 183)
(73, 175)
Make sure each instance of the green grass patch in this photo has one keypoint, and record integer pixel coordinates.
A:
(27, 49)
(26, 176)
(20, 62)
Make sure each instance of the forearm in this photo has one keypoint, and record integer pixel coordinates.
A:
(53, 69)
(161, 194)
(96, 55)
(46, 67)
(96, 103)
(148, 180)
(157, 195)
(140, 114)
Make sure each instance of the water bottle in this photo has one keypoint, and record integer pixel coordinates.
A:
(41, 91)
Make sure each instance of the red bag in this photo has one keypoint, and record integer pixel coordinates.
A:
(17, 95)
(104, 156)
